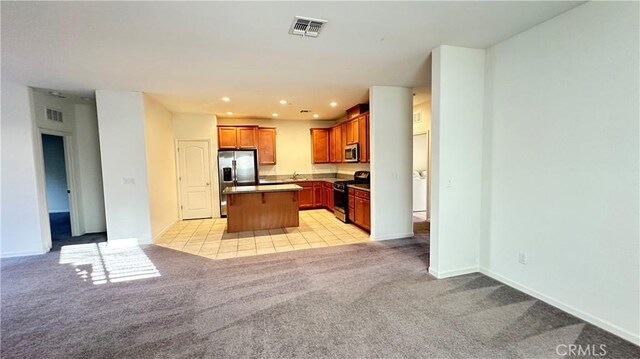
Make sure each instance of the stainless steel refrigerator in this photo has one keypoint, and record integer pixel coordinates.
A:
(236, 168)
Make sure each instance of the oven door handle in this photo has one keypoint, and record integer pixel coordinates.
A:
(338, 190)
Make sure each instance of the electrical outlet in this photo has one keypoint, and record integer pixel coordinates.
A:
(522, 258)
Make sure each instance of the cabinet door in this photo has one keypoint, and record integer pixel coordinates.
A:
(246, 137)
(317, 195)
(343, 131)
(267, 146)
(366, 208)
(305, 200)
(368, 138)
(332, 145)
(354, 130)
(339, 149)
(352, 208)
(349, 132)
(226, 137)
(320, 145)
(359, 215)
(363, 132)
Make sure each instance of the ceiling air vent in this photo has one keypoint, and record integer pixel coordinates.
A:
(306, 26)
(54, 115)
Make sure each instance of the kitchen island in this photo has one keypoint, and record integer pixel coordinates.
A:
(252, 208)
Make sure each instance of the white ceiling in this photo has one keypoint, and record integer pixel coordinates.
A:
(190, 55)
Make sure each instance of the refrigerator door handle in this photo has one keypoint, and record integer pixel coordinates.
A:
(234, 173)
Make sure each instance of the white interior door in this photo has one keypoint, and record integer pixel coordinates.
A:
(194, 178)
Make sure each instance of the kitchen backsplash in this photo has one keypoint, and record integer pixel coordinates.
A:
(351, 168)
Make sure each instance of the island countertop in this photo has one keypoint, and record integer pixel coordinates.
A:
(262, 189)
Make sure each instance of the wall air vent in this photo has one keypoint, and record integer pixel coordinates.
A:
(54, 115)
(306, 26)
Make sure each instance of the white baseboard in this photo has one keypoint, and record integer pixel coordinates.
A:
(21, 254)
(634, 338)
(392, 236)
(452, 273)
(165, 229)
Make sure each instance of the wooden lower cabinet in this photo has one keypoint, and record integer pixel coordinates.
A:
(305, 199)
(312, 194)
(328, 201)
(360, 213)
(318, 195)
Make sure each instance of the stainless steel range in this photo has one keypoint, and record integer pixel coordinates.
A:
(341, 194)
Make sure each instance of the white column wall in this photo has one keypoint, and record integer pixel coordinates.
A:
(562, 161)
(391, 126)
(25, 229)
(122, 149)
(456, 167)
(89, 172)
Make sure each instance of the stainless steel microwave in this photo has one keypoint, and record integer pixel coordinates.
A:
(351, 153)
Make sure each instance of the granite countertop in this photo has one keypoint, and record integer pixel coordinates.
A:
(262, 188)
(362, 187)
(276, 181)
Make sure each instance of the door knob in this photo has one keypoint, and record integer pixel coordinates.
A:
(207, 183)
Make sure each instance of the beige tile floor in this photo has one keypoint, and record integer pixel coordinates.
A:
(209, 237)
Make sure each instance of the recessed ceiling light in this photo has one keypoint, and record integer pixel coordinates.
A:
(274, 114)
(229, 113)
(226, 99)
(283, 102)
(315, 115)
(333, 104)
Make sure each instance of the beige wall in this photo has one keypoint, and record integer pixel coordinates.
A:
(293, 145)
(425, 111)
(161, 166)
(198, 127)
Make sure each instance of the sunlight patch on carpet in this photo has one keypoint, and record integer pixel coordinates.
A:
(109, 262)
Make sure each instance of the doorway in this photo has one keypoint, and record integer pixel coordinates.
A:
(194, 179)
(57, 186)
(421, 158)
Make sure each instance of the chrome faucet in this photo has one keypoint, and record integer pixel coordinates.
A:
(294, 175)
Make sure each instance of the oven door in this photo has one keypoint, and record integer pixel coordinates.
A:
(340, 204)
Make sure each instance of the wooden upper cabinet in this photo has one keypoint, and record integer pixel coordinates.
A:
(227, 137)
(266, 146)
(320, 145)
(247, 137)
(237, 137)
(363, 132)
(339, 148)
(332, 145)
(352, 131)
(344, 129)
